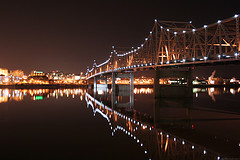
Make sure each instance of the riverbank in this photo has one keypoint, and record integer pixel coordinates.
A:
(43, 86)
(85, 86)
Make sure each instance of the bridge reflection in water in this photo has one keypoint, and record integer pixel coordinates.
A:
(146, 131)
(152, 133)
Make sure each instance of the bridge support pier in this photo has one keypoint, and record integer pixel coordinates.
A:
(122, 89)
(105, 85)
(173, 90)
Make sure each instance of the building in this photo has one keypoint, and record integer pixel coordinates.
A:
(37, 73)
(17, 73)
(4, 71)
(15, 76)
(55, 75)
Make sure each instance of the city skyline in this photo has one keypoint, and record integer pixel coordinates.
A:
(69, 36)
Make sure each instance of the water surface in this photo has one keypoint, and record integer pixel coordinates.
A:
(77, 124)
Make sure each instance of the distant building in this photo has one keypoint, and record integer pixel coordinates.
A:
(4, 71)
(38, 80)
(17, 73)
(15, 76)
(37, 73)
(55, 75)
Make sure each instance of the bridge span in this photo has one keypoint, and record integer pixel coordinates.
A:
(171, 45)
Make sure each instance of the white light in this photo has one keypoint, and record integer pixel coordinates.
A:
(205, 26)
(219, 56)
(150, 32)
(236, 15)
(190, 22)
(161, 27)
(193, 59)
(236, 54)
(183, 31)
(219, 21)
(167, 30)
(175, 33)
(184, 60)
(204, 152)
(174, 139)
(146, 39)
(193, 30)
(155, 20)
(218, 158)
(205, 58)
(145, 152)
(193, 147)
(183, 142)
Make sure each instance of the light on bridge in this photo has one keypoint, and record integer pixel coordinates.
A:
(236, 16)
(236, 55)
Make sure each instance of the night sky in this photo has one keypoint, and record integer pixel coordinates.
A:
(68, 36)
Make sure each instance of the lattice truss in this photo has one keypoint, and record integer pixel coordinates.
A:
(173, 42)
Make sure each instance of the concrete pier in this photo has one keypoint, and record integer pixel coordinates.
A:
(172, 90)
(123, 90)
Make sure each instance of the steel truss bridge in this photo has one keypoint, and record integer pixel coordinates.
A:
(172, 43)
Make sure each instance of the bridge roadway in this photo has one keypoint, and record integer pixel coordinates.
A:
(147, 66)
(156, 142)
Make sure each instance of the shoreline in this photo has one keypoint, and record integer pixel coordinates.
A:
(43, 86)
(85, 86)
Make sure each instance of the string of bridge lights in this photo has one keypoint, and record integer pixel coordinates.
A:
(136, 50)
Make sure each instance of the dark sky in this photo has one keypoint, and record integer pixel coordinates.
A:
(68, 36)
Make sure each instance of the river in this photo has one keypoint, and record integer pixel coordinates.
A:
(83, 124)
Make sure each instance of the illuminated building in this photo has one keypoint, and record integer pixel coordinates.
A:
(17, 73)
(3, 71)
(37, 73)
(55, 75)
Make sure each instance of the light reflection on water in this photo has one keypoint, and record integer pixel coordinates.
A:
(199, 123)
(176, 129)
(38, 94)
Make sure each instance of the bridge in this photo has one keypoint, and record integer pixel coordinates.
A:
(173, 44)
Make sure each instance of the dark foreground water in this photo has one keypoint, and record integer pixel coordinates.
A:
(80, 124)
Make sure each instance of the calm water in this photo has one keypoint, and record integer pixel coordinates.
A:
(81, 124)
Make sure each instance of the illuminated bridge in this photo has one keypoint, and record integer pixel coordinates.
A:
(173, 44)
